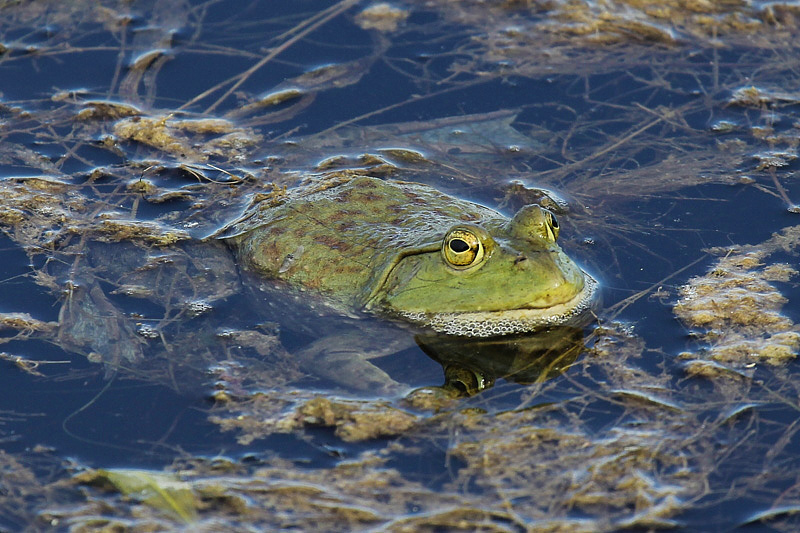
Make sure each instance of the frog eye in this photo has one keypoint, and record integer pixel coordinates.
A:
(462, 248)
(534, 222)
(551, 225)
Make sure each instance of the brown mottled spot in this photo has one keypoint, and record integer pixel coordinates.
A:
(332, 242)
(312, 283)
(338, 215)
(468, 217)
(277, 230)
(371, 197)
(267, 255)
(347, 267)
(348, 214)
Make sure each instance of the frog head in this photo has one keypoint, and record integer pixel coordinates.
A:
(483, 280)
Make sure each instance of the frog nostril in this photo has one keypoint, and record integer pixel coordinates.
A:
(519, 259)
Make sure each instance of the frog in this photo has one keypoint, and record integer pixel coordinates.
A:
(413, 256)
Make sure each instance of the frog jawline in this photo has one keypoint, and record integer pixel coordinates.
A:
(509, 322)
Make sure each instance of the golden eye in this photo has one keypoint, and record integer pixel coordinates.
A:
(462, 248)
(552, 225)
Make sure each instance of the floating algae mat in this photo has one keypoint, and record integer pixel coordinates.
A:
(151, 384)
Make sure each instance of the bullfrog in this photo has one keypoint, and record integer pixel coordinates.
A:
(411, 254)
(407, 251)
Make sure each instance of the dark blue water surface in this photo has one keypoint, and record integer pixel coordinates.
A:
(634, 238)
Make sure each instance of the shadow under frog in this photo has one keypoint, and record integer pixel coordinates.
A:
(338, 264)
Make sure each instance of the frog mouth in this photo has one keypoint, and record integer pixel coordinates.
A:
(575, 311)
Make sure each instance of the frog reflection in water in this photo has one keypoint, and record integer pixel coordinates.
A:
(472, 365)
(359, 247)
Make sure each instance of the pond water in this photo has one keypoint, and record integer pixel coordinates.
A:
(665, 140)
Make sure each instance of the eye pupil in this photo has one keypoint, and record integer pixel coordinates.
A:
(459, 246)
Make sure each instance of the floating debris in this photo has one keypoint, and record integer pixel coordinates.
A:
(162, 491)
(736, 309)
(382, 17)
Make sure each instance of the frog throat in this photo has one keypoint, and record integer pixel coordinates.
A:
(511, 321)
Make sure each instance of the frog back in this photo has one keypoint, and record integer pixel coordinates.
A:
(338, 240)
